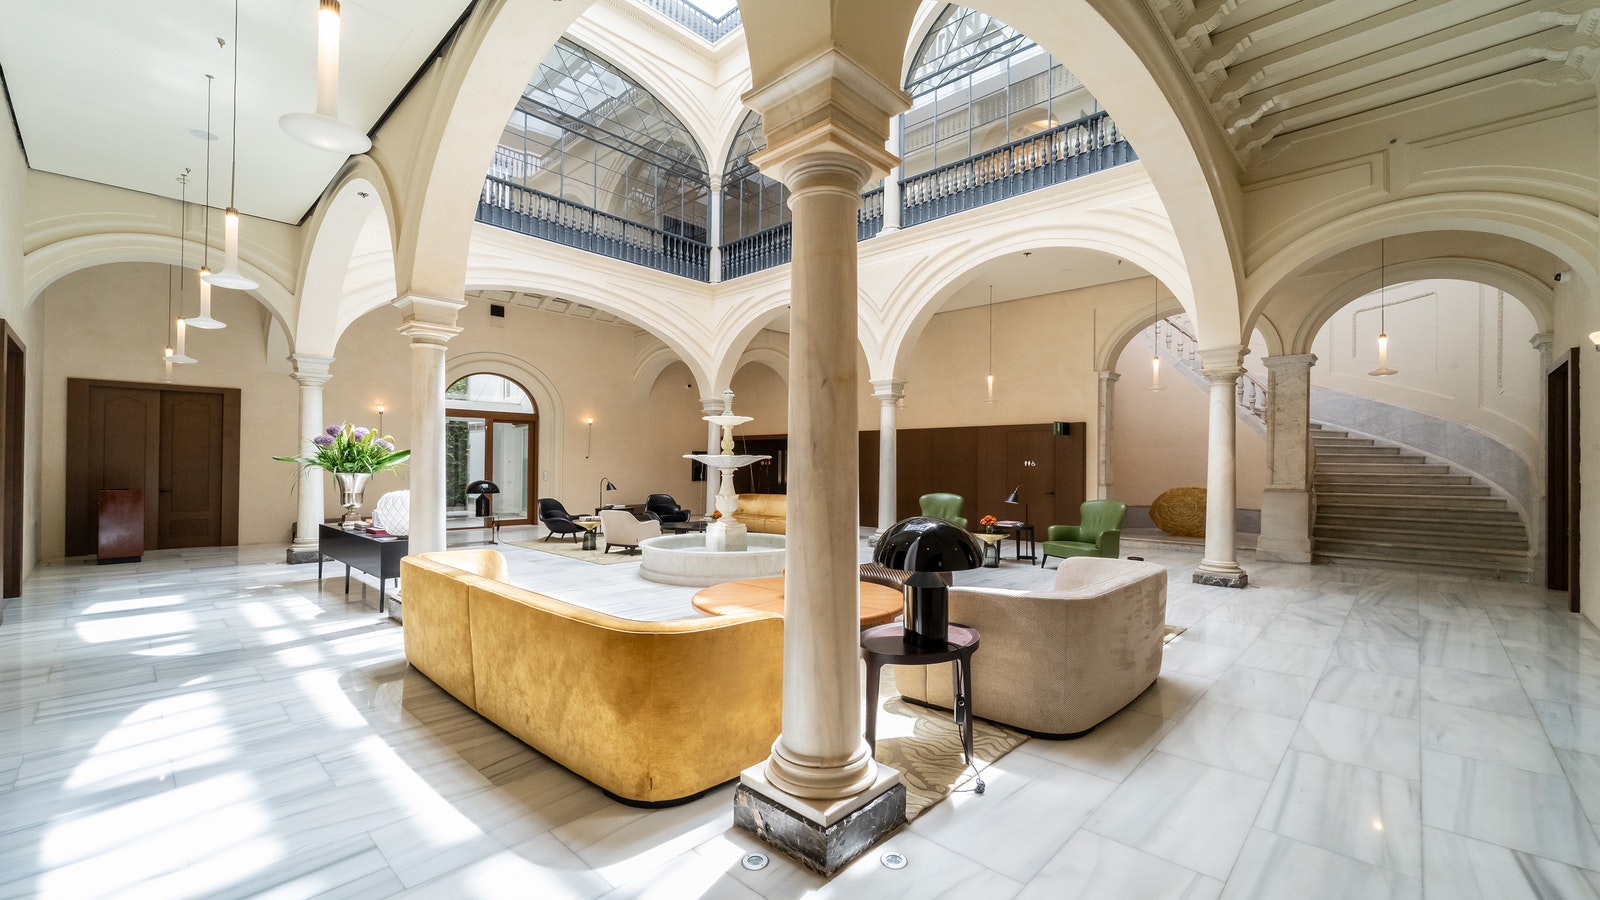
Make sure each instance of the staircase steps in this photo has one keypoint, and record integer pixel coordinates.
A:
(1382, 505)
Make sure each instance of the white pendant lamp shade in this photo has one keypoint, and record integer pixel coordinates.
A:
(229, 277)
(1383, 370)
(323, 129)
(177, 355)
(1383, 358)
(204, 320)
(1155, 373)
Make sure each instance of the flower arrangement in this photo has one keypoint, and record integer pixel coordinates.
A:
(716, 514)
(988, 520)
(348, 448)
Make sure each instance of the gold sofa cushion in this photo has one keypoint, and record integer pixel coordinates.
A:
(435, 600)
(763, 513)
(651, 712)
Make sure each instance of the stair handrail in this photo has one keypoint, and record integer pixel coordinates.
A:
(1249, 391)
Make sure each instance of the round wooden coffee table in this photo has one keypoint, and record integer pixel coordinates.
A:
(879, 603)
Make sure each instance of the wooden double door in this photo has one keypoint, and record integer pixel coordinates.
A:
(178, 445)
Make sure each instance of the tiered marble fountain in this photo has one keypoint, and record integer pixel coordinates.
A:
(726, 551)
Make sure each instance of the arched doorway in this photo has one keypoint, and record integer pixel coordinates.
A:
(491, 433)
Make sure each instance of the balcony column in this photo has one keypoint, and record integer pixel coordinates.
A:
(1104, 479)
(712, 406)
(1220, 566)
(889, 391)
(312, 373)
(821, 798)
(714, 241)
(1286, 502)
(430, 323)
(891, 183)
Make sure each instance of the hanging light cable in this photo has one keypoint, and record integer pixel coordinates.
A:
(323, 129)
(178, 355)
(1383, 369)
(230, 277)
(204, 320)
(991, 345)
(1155, 355)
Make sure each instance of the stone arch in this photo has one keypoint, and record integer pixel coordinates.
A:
(541, 390)
(336, 287)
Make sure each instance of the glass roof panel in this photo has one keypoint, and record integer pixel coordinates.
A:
(961, 42)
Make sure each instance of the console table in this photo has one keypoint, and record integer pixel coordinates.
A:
(373, 554)
(886, 645)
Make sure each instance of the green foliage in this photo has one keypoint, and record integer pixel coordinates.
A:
(347, 448)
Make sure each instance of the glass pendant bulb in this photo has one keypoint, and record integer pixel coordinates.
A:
(990, 379)
(1155, 373)
(178, 356)
(204, 320)
(229, 277)
(323, 128)
(1383, 369)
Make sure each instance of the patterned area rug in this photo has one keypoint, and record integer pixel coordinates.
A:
(925, 745)
(574, 550)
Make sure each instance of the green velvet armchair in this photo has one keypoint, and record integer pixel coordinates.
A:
(943, 506)
(1099, 534)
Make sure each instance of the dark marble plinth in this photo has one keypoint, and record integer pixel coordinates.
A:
(295, 557)
(1227, 581)
(822, 850)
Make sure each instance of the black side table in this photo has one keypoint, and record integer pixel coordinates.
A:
(1021, 531)
(374, 555)
(885, 645)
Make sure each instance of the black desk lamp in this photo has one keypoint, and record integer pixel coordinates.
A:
(1016, 498)
(483, 489)
(926, 546)
(605, 485)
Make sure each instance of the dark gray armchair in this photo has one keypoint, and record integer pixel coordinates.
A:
(556, 518)
(665, 508)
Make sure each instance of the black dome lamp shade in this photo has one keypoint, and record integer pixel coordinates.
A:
(483, 489)
(926, 546)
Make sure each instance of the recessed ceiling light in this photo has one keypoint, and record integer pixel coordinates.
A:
(202, 134)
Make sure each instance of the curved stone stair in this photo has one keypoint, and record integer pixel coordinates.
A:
(1381, 505)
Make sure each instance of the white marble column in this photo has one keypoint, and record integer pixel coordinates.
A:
(891, 183)
(1286, 510)
(889, 391)
(430, 323)
(1108, 384)
(826, 123)
(712, 406)
(1220, 566)
(714, 240)
(1538, 522)
(311, 372)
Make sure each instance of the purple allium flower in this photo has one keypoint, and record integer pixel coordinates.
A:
(333, 430)
(322, 440)
(384, 445)
(360, 434)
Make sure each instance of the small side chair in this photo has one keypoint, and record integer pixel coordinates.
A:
(1098, 534)
(943, 506)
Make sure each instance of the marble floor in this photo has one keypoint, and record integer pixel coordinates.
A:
(214, 723)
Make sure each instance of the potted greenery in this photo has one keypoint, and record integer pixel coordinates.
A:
(353, 455)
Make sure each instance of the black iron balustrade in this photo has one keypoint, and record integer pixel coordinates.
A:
(516, 208)
(870, 220)
(754, 252)
(708, 27)
(1071, 150)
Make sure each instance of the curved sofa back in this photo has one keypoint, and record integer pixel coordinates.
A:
(652, 712)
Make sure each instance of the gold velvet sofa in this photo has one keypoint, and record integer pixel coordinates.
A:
(763, 513)
(653, 713)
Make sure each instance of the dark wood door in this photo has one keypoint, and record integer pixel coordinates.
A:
(119, 448)
(14, 396)
(1031, 463)
(189, 512)
(1561, 478)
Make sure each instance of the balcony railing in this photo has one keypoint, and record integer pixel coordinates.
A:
(758, 251)
(1081, 147)
(710, 28)
(870, 220)
(510, 206)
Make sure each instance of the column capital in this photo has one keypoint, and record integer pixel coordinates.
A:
(1542, 341)
(888, 389)
(311, 370)
(1295, 361)
(1222, 364)
(429, 320)
(711, 405)
(1109, 376)
(826, 106)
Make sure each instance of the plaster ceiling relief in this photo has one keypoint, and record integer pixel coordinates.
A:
(1271, 68)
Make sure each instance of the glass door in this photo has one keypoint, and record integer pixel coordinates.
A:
(490, 434)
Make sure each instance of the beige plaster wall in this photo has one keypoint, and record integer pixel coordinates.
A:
(110, 322)
(1160, 437)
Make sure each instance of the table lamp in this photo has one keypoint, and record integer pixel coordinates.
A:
(926, 546)
(1015, 499)
(483, 489)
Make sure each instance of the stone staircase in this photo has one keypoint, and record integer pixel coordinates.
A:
(1380, 505)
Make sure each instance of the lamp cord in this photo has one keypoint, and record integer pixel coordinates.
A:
(233, 169)
(206, 227)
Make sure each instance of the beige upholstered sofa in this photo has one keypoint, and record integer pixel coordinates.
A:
(1057, 663)
(764, 513)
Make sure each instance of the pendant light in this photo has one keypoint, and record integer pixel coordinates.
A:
(323, 128)
(1383, 370)
(990, 377)
(176, 354)
(229, 277)
(204, 320)
(1155, 355)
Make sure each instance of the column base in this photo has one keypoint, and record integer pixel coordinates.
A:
(1235, 578)
(295, 556)
(1285, 525)
(822, 835)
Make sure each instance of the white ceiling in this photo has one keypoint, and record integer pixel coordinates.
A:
(109, 90)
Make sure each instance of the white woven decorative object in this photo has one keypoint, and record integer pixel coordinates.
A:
(393, 513)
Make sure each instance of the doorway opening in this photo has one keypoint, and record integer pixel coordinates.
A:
(491, 433)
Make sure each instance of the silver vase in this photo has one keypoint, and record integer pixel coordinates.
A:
(351, 486)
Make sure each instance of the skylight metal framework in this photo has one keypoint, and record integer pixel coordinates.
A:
(751, 201)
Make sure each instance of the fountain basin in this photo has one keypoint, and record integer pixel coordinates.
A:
(683, 559)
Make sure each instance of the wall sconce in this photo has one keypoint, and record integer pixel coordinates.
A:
(590, 448)
(1595, 336)
(380, 420)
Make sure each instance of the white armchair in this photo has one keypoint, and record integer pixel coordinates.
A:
(623, 530)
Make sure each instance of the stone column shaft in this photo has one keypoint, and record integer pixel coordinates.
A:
(711, 406)
(430, 324)
(1220, 565)
(714, 234)
(1108, 384)
(891, 182)
(1286, 503)
(889, 392)
(312, 373)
